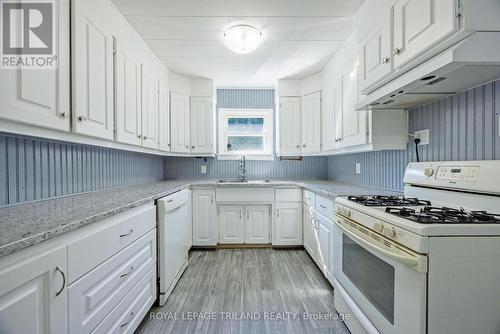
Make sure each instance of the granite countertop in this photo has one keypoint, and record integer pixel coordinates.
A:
(27, 224)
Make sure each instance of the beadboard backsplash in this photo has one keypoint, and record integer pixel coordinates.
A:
(309, 168)
(462, 127)
(33, 169)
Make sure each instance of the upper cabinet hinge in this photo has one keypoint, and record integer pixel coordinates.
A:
(459, 11)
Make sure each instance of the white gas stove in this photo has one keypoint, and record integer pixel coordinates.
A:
(425, 262)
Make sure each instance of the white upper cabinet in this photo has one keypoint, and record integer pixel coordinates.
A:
(290, 125)
(127, 95)
(92, 55)
(354, 122)
(179, 123)
(375, 41)
(331, 117)
(164, 117)
(41, 97)
(150, 100)
(202, 118)
(311, 123)
(33, 294)
(419, 24)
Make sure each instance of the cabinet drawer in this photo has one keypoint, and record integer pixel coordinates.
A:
(324, 206)
(127, 316)
(93, 296)
(245, 195)
(288, 195)
(116, 233)
(309, 199)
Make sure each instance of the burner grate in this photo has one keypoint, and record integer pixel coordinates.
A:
(444, 215)
(388, 201)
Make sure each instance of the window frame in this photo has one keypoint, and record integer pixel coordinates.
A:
(223, 132)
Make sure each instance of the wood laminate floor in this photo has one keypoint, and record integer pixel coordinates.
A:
(247, 291)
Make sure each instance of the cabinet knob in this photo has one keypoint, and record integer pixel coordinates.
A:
(298, 146)
(192, 146)
(396, 51)
(145, 137)
(82, 118)
(187, 146)
(63, 114)
(386, 60)
(139, 136)
(304, 145)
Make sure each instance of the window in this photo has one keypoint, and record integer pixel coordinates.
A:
(245, 131)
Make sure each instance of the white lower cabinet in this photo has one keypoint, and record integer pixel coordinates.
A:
(310, 237)
(33, 297)
(324, 235)
(257, 224)
(205, 226)
(247, 224)
(288, 224)
(231, 229)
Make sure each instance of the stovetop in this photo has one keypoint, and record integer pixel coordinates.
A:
(388, 201)
(444, 215)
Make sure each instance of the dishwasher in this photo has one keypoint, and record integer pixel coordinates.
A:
(174, 240)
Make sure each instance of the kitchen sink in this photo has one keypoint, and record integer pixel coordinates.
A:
(242, 181)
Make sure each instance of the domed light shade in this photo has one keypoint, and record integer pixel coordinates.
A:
(242, 38)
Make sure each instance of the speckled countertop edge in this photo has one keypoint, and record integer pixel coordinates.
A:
(28, 224)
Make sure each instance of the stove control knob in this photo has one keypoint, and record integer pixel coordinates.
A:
(379, 227)
(389, 232)
(429, 172)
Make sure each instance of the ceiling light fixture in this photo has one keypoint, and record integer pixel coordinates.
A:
(242, 38)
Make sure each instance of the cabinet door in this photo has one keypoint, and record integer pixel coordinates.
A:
(331, 117)
(202, 119)
(127, 95)
(164, 117)
(419, 24)
(310, 243)
(231, 230)
(325, 245)
(41, 97)
(288, 226)
(257, 224)
(149, 108)
(92, 46)
(311, 123)
(205, 229)
(290, 127)
(179, 123)
(354, 122)
(375, 53)
(28, 300)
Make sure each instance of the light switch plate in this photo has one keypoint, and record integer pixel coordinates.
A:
(203, 169)
(358, 168)
(424, 136)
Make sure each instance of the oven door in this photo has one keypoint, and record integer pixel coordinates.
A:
(385, 280)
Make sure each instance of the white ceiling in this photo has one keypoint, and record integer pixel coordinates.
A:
(300, 36)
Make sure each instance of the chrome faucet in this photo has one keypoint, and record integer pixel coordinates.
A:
(242, 168)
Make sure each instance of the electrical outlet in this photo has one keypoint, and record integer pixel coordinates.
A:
(358, 168)
(203, 169)
(424, 136)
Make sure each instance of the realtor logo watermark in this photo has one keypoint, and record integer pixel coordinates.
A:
(28, 34)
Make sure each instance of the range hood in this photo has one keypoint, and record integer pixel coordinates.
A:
(469, 63)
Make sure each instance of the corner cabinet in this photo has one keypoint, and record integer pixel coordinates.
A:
(290, 126)
(202, 119)
(311, 123)
(33, 295)
(92, 69)
(41, 97)
(205, 225)
(179, 123)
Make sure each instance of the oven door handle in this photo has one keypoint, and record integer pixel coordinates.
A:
(410, 260)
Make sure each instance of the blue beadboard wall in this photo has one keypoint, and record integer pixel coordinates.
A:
(463, 127)
(33, 169)
(309, 168)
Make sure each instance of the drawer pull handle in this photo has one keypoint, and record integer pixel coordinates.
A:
(127, 273)
(129, 320)
(126, 234)
(64, 281)
(321, 205)
(170, 201)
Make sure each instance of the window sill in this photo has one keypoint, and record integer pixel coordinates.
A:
(263, 157)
